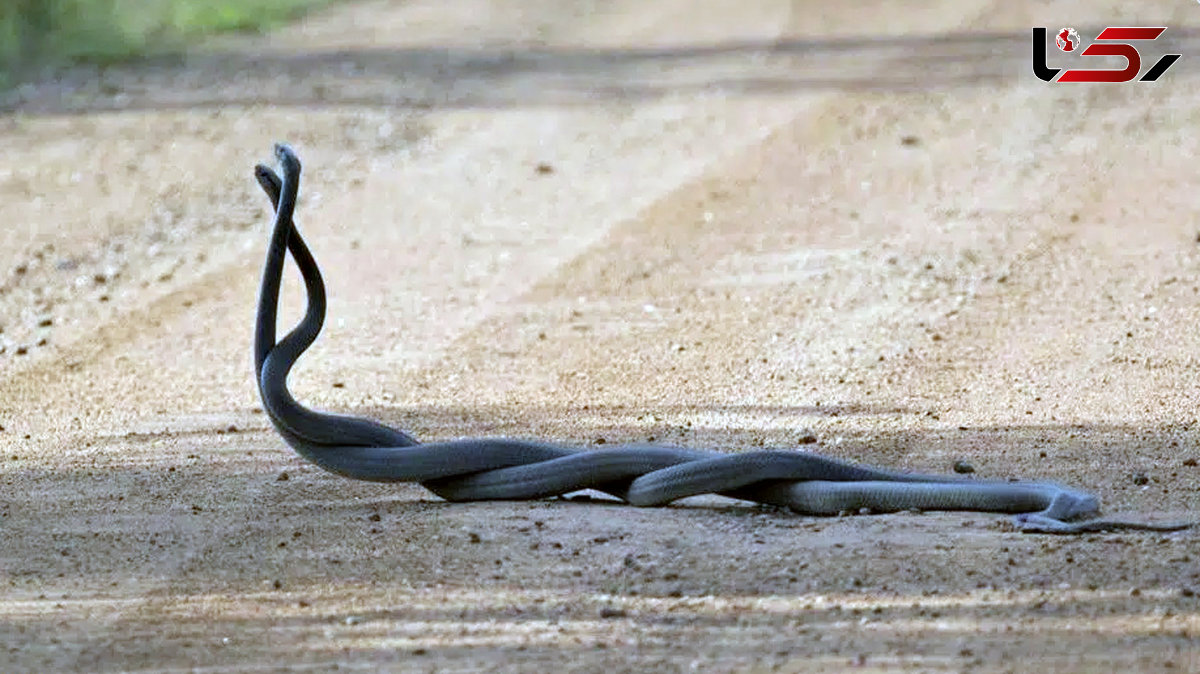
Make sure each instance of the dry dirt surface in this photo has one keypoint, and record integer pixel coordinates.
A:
(864, 229)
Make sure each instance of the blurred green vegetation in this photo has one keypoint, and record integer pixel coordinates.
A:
(37, 32)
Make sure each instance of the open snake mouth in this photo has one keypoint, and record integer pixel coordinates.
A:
(643, 475)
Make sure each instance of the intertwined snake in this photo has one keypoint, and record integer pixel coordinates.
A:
(641, 474)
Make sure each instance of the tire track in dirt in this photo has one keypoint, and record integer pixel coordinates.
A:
(196, 526)
(168, 336)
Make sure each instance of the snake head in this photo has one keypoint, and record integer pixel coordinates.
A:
(288, 161)
(269, 180)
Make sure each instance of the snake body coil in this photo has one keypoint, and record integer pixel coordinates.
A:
(643, 475)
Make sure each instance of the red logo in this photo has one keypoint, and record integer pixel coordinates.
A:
(1112, 41)
(1067, 39)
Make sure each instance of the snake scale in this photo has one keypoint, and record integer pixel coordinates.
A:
(640, 474)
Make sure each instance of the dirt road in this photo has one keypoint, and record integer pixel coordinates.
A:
(719, 224)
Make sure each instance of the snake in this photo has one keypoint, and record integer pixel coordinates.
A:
(499, 468)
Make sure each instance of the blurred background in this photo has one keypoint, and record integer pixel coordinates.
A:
(39, 33)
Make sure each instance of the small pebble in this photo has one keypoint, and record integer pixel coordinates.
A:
(1140, 479)
(963, 467)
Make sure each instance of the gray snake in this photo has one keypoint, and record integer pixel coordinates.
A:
(640, 474)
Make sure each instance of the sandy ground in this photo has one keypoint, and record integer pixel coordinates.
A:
(719, 224)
